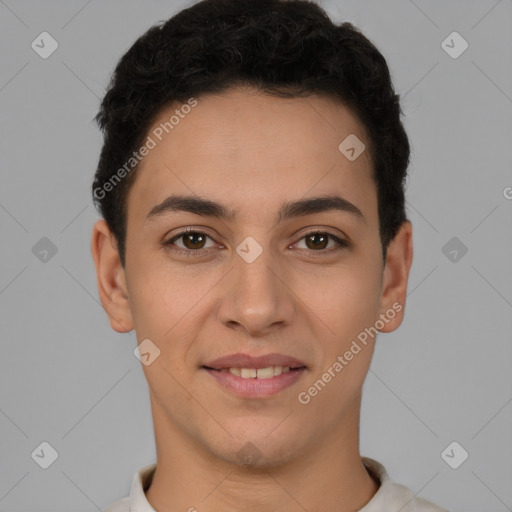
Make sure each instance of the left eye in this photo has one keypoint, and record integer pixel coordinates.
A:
(193, 241)
(194, 238)
(321, 238)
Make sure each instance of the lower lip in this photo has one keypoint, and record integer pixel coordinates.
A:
(256, 388)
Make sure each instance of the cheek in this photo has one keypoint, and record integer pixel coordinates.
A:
(359, 304)
(161, 295)
(347, 308)
(165, 310)
(170, 307)
(344, 299)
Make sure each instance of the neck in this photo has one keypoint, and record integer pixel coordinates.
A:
(328, 475)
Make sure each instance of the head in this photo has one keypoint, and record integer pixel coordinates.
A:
(243, 107)
(285, 49)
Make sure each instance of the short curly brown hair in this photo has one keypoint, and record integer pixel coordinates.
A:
(284, 48)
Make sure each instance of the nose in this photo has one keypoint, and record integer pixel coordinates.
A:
(256, 298)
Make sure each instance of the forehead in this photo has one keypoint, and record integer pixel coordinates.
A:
(247, 147)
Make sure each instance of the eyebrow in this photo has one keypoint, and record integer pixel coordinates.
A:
(208, 208)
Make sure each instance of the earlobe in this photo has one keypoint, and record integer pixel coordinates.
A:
(110, 276)
(396, 274)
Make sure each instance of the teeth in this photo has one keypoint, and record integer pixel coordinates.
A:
(247, 373)
(265, 373)
(260, 373)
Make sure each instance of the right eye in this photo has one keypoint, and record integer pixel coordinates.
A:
(192, 240)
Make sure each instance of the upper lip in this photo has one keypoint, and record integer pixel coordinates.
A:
(248, 361)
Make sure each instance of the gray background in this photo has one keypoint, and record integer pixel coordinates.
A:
(68, 379)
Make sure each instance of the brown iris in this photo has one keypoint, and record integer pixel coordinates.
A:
(324, 240)
(193, 238)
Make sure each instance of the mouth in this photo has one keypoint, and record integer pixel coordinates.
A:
(255, 377)
(257, 373)
(255, 387)
(243, 361)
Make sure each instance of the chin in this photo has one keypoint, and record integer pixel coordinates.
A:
(259, 450)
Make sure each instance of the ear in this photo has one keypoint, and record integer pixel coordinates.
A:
(395, 277)
(111, 278)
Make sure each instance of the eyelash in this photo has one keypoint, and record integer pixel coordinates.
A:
(342, 244)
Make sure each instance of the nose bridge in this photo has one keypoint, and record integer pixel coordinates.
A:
(256, 298)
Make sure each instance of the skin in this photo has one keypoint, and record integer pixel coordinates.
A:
(253, 152)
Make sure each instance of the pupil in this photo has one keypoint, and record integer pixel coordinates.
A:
(190, 237)
(319, 235)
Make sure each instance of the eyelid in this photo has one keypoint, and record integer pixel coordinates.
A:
(340, 240)
(190, 229)
(311, 230)
(341, 244)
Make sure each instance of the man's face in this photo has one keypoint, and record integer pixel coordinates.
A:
(213, 294)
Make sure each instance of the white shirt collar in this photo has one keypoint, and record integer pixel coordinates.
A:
(390, 497)
(141, 482)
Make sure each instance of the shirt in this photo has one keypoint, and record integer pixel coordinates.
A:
(390, 497)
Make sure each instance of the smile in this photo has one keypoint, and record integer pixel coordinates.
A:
(256, 383)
